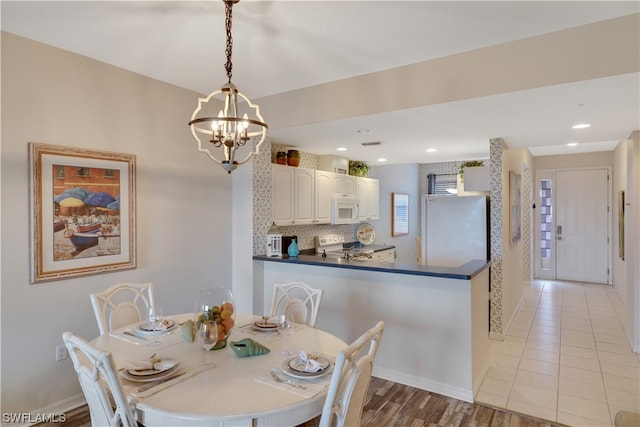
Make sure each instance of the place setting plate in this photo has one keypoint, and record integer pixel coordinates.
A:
(261, 325)
(294, 367)
(167, 325)
(163, 369)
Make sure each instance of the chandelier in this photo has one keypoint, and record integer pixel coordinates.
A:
(223, 137)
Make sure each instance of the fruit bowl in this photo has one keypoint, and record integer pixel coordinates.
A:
(216, 304)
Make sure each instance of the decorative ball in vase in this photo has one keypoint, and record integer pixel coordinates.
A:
(216, 304)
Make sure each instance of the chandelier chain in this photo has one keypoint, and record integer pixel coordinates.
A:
(228, 12)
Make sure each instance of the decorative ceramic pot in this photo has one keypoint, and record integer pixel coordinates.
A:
(281, 158)
(293, 158)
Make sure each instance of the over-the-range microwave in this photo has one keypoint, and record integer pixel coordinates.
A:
(344, 210)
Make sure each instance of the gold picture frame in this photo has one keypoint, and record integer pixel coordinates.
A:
(82, 212)
(399, 214)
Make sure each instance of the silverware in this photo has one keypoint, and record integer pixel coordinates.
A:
(164, 380)
(285, 381)
(133, 335)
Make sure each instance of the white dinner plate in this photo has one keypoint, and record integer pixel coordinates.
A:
(142, 379)
(167, 325)
(261, 326)
(159, 367)
(304, 375)
(298, 365)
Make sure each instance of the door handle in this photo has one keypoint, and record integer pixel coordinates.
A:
(559, 229)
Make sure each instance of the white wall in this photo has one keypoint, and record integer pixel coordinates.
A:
(619, 184)
(398, 179)
(512, 254)
(183, 205)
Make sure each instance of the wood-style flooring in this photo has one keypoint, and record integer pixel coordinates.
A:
(391, 404)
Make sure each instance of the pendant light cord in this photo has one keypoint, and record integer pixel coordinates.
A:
(228, 12)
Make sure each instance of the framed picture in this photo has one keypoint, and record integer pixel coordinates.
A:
(82, 212)
(399, 214)
(515, 207)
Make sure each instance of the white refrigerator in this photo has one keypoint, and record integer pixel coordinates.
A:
(455, 230)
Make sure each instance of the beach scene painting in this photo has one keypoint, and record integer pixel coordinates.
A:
(86, 208)
(82, 210)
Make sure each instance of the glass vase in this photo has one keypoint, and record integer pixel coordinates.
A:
(216, 304)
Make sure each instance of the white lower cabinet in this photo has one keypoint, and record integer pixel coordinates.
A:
(387, 255)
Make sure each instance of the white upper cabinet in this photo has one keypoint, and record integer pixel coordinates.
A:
(304, 198)
(282, 211)
(476, 178)
(324, 189)
(345, 185)
(369, 197)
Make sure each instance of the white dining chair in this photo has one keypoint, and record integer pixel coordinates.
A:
(121, 305)
(299, 299)
(98, 378)
(350, 381)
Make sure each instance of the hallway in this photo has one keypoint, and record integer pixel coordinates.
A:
(565, 357)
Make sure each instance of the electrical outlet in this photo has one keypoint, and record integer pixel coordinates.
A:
(61, 353)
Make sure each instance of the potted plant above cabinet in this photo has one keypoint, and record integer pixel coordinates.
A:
(357, 168)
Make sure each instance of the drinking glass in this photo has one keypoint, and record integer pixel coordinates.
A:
(155, 320)
(286, 326)
(208, 333)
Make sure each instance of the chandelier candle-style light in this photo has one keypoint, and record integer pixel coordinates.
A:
(223, 135)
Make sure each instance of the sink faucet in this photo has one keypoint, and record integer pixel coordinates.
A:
(349, 253)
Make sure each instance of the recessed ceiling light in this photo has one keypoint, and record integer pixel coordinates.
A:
(572, 144)
(431, 150)
(363, 131)
(341, 149)
(581, 126)
(382, 160)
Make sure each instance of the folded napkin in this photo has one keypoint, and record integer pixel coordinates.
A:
(157, 364)
(310, 364)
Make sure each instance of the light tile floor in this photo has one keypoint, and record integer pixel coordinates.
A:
(565, 357)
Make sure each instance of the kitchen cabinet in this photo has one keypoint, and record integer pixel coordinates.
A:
(387, 255)
(303, 196)
(325, 184)
(300, 196)
(282, 195)
(345, 185)
(369, 197)
(476, 178)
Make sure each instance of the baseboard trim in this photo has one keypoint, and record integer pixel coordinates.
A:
(424, 384)
(60, 407)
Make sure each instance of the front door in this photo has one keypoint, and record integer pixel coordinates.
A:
(582, 225)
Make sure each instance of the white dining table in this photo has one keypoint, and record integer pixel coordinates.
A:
(238, 391)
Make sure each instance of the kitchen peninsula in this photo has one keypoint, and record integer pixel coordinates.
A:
(436, 318)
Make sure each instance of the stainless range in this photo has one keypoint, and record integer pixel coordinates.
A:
(332, 246)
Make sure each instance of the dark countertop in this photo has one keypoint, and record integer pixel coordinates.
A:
(464, 272)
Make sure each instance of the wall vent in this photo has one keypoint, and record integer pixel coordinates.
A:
(366, 144)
